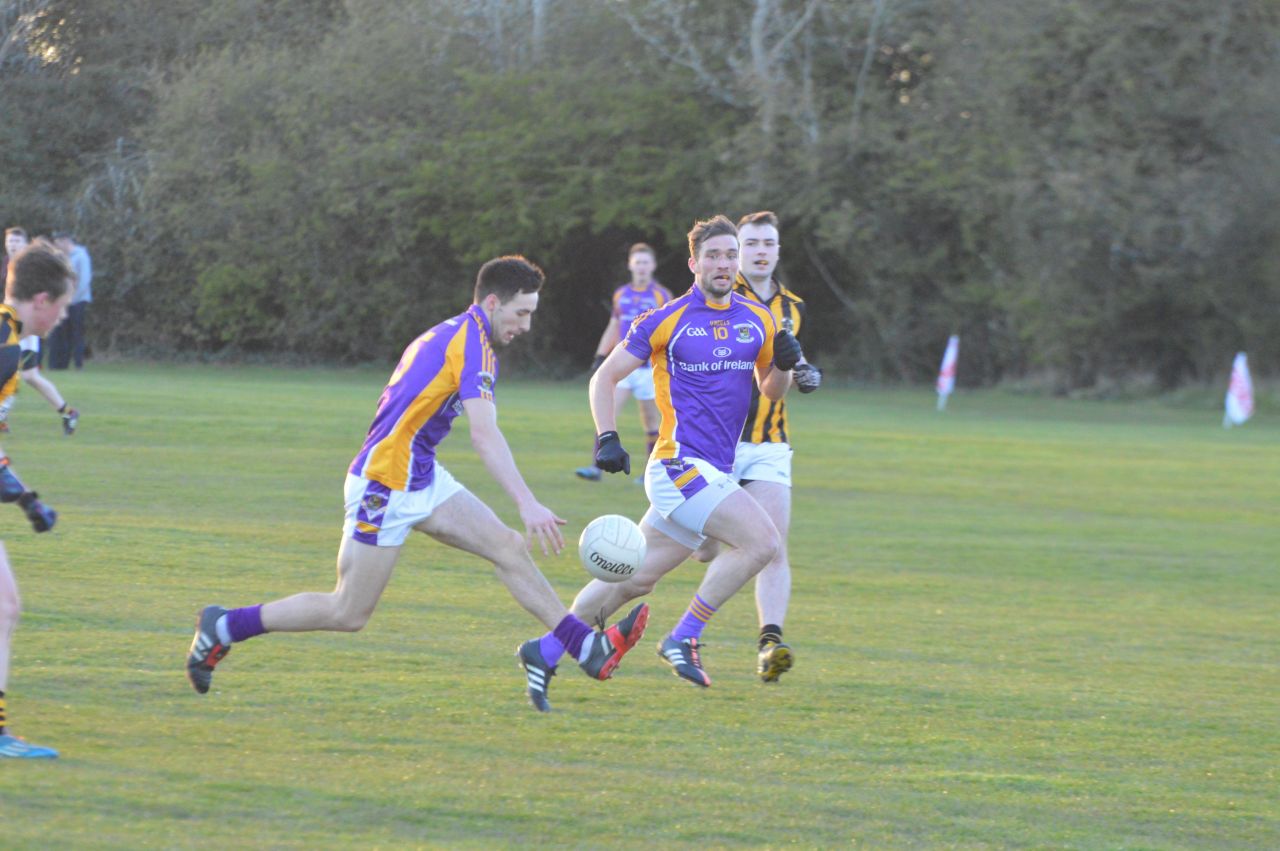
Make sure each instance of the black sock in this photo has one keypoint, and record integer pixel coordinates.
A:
(770, 633)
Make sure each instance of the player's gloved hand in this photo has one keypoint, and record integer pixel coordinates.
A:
(595, 364)
(70, 419)
(807, 377)
(610, 456)
(11, 487)
(786, 350)
(42, 517)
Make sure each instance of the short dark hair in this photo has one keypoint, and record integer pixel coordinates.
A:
(764, 217)
(16, 232)
(508, 276)
(704, 230)
(642, 246)
(39, 268)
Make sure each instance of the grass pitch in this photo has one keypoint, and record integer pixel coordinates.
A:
(1021, 623)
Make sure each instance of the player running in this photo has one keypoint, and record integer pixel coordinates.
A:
(762, 464)
(631, 300)
(38, 287)
(15, 239)
(395, 485)
(707, 348)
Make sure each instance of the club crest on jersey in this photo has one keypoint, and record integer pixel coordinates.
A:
(744, 332)
(676, 465)
(486, 381)
(373, 505)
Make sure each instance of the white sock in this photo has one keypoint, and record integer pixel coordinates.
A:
(224, 636)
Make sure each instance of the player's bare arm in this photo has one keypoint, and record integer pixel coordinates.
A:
(604, 384)
(773, 382)
(609, 339)
(491, 446)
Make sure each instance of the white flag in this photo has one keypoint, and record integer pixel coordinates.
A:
(947, 372)
(1239, 401)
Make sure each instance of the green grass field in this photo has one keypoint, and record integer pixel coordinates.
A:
(1022, 623)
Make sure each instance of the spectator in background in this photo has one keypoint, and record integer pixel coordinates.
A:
(68, 339)
(15, 239)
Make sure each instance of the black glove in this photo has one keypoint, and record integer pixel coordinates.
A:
(786, 350)
(595, 364)
(42, 517)
(610, 456)
(807, 377)
(70, 419)
(11, 487)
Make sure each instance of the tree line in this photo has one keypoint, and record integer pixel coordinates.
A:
(1082, 189)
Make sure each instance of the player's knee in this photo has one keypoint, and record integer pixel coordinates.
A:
(511, 550)
(347, 618)
(638, 586)
(764, 545)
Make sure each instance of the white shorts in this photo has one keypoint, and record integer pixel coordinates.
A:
(640, 383)
(682, 495)
(382, 517)
(763, 462)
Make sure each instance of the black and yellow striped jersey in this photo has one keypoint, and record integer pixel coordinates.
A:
(767, 420)
(10, 351)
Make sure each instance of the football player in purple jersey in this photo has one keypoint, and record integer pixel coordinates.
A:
(707, 349)
(630, 301)
(395, 485)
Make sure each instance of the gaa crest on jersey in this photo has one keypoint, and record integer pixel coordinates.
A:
(744, 332)
(486, 381)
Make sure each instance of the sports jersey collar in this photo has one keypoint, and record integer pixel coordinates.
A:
(12, 314)
(743, 287)
(699, 295)
(476, 312)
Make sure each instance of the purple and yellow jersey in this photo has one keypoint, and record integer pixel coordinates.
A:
(767, 419)
(10, 351)
(703, 356)
(452, 362)
(629, 304)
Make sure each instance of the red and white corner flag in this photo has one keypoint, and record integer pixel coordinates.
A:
(947, 372)
(1239, 403)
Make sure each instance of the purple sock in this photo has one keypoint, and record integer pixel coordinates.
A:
(245, 623)
(571, 632)
(695, 618)
(551, 648)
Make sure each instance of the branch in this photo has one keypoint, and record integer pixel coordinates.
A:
(688, 56)
(828, 279)
(794, 31)
(859, 88)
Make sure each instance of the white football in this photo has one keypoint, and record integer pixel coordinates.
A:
(611, 548)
